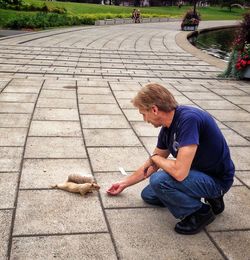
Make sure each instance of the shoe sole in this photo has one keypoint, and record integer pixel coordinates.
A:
(210, 220)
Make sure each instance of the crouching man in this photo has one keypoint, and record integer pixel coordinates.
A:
(203, 167)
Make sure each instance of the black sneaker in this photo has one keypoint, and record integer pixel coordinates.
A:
(217, 205)
(195, 222)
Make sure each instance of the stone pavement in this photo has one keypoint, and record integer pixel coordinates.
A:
(65, 108)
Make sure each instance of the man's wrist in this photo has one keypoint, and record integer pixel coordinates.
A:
(151, 158)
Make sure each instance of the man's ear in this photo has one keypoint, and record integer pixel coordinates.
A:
(155, 109)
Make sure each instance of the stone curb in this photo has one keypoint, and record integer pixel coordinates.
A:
(129, 21)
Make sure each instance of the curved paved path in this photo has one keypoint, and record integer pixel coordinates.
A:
(65, 108)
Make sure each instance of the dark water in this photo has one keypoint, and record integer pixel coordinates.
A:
(217, 43)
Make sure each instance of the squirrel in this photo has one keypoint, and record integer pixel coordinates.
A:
(76, 178)
(78, 184)
(77, 188)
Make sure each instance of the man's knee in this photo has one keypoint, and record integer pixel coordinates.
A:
(159, 180)
(149, 197)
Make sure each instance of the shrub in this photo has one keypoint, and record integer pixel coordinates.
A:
(190, 18)
(46, 20)
(240, 56)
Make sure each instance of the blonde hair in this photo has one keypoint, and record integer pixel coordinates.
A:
(155, 94)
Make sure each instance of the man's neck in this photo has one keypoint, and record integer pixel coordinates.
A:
(168, 118)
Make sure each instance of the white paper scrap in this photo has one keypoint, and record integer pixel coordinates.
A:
(123, 172)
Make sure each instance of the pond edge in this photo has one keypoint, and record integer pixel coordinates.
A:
(183, 42)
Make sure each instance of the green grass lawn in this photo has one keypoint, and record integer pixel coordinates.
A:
(208, 13)
(107, 11)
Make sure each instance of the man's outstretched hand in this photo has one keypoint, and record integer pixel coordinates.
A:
(116, 188)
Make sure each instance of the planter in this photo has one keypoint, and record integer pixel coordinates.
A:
(246, 72)
(190, 27)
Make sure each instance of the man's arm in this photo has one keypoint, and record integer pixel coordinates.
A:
(179, 168)
(140, 174)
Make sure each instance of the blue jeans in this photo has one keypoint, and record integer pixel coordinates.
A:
(182, 198)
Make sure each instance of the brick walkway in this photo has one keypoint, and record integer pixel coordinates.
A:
(65, 108)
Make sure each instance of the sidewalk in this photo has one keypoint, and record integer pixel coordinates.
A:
(65, 108)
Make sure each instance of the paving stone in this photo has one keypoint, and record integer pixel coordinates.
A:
(58, 94)
(135, 86)
(230, 115)
(130, 197)
(240, 156)
(50, 171)
(63, 147)
(183, 100)
(61, 210)
(23, 89)
(245, 107)
(240, 100)
(94, 91)
(191, 87)
(60, 85)
(244, 176)
(110, 137)
(125, 94)
(12, 136)
(56, 103)
(5, 223)
(26, 82)
(8, 183)
(150, 143)
(237, 182)
(92, 99)
(202, 95)
(56, 114)
(215, 104)
(228, 91)
(16, 97)
(125, 103)
(242, 128)
(89, 246)
(133, 115)
(55, 128)
(14, 120)
(237, 210)
(235, 244)
(110, 159)
(10, 158)
(149, 225)
(144, 129)
(93, 83)
(104, 121)
(19, 108)
(99, 109)
(234, 139)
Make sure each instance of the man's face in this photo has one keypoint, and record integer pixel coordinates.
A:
(150, 116)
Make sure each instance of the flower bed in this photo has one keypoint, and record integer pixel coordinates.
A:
(243, 58)
(239, 63)
(190, 21)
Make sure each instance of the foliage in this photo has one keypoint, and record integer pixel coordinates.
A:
(32, 7)
(240, 56)
(47, 20)
(190, 18)
(243, 58)
(10, 2)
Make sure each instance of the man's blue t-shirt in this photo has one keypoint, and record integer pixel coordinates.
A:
(192, 125)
